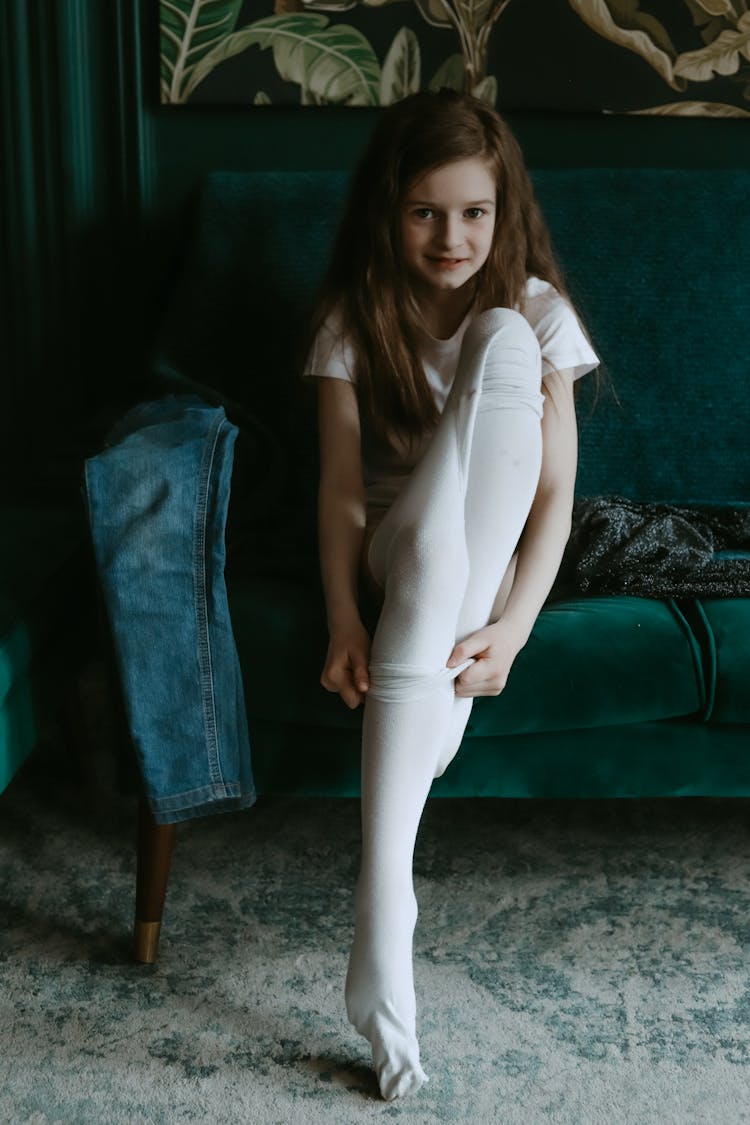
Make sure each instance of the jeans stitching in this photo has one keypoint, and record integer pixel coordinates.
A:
(208, 701)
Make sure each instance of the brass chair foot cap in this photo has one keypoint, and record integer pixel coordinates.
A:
(146, 941)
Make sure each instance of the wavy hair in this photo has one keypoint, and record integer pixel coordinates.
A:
(366, 283)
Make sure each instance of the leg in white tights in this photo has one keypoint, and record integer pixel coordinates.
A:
(440, 554)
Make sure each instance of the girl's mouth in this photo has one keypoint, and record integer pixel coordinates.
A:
(448, 263)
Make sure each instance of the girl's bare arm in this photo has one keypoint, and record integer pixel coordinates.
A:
(547, 529)
(341, 523)
(540, 550)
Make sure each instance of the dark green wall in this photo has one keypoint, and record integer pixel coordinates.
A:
(98, 179)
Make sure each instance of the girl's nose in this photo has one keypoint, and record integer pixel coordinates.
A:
(450, 233)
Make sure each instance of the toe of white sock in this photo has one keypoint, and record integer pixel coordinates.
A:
(405, 1081)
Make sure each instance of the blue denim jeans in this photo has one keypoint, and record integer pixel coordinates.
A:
(157, 499)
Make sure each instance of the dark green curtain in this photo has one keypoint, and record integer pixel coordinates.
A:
(68, 227)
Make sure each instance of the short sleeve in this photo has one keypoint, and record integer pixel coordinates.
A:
(331, 355)
(562, 341)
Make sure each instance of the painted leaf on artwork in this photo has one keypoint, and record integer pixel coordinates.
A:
(723, 56)
(402, 68)
(716, 7)
(486, 90)
(475, 12)
(451, 73)
(622, 22)
(189, 31)
(693, 109)
(436, 12)
(345, 5)
(439, 13)
(332, 65)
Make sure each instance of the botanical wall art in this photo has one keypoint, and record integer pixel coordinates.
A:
(686, 57)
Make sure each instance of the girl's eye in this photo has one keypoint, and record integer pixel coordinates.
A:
(475, 212)
(423, 213)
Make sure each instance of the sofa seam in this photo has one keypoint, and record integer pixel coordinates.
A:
(705, 684)
(705, 641)
(712, 656)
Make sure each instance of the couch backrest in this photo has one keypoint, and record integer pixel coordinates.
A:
(658, 263)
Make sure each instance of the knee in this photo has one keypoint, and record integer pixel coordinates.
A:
(501, 328)
(513, 325)
(501, 358)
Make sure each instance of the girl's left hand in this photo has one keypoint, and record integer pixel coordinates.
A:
(494, 649)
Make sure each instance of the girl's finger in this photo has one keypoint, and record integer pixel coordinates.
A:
(460, 653)
(361, 678)
(472, 646)
(351, 697)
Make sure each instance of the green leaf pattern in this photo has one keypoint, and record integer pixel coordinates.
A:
(332, 65)
(439, 13)
(451, 73)
(446, 13)
(402, 68)
(190, 29)
(335, 64)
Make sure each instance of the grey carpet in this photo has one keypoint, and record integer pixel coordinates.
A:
(577, 963)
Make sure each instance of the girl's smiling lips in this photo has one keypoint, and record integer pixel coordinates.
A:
(447, 263)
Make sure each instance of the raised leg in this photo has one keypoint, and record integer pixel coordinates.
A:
(440, 554)
(155, 843)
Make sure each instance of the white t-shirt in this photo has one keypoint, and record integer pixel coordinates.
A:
(385, 469)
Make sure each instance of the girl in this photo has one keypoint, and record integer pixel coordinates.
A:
(442, 330)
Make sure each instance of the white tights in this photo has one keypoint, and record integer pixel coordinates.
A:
(440, 554)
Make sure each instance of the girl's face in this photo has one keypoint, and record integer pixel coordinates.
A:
(447, 224)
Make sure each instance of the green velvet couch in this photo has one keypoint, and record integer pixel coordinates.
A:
(612, 696)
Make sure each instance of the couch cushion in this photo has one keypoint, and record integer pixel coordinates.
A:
(589, 663)
(727, 623)
(598, 662)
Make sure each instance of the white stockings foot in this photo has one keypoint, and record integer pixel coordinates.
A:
(380, 998)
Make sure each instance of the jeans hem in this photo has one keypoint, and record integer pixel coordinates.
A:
(175, 809)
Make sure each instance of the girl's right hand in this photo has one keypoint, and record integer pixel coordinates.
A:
(346, 667)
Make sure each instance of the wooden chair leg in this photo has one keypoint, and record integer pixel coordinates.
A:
(155, 843)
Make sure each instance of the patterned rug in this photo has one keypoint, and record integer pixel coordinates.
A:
(577, 963)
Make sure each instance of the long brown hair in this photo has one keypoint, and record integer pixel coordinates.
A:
(366, 282)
